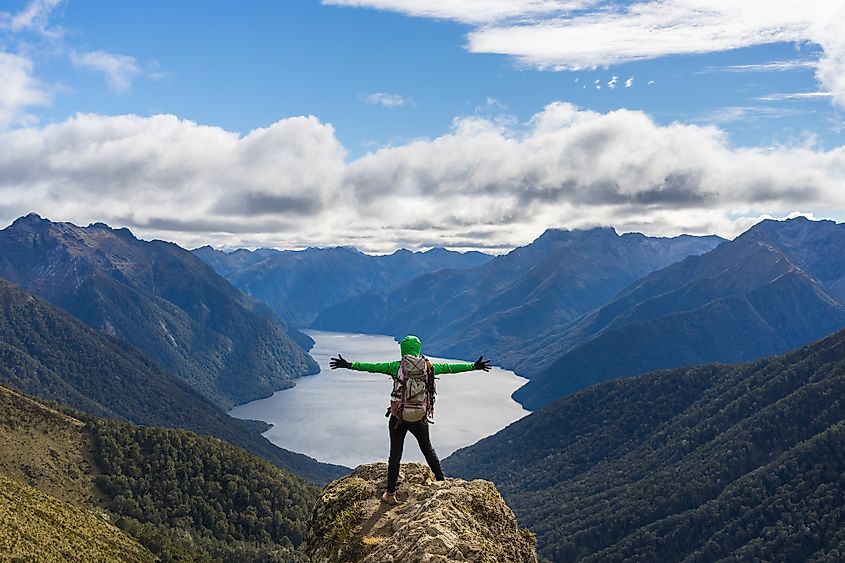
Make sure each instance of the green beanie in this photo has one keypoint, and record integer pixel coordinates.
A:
(410, 345)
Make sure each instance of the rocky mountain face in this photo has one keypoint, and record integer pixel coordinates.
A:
(775, 287)
(47, 353)
(447, 521)
(298, 285)
(160, 299)
(709, 463)
(499, 306)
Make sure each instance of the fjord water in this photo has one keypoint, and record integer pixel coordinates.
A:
(337, 416)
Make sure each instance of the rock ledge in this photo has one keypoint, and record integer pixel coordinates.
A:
(453, 520)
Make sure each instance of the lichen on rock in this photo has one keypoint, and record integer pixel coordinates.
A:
(434, 522)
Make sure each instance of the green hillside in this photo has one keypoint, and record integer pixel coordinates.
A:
(184, 497)
(39, 527)
(47, 353)
(738, 462)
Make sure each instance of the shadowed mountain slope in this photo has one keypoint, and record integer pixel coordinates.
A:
(47, 353)
(499, 306)
(771, 289)
(708, 463)
(161, 299)
(298, 285)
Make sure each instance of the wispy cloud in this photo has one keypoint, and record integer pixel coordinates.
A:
(629, 82)
(120, 70)
(561, 35)
(775, 66)
(612, 82)
(473, 11)
(35, 17)
(747, 114)
(387, 100)
(796, 96)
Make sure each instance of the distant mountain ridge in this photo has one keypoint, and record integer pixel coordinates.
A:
(47, 353)
(499, 306)
(769, 290)
(709, 463)
(161, 299)
(298, 285)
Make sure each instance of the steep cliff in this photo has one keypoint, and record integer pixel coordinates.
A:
(453, 520)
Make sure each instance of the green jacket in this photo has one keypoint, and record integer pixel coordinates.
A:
(392, 368)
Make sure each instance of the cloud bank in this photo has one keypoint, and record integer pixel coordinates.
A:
(574, 35)
(487, 183)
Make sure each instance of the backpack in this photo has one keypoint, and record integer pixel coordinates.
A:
(413, 393)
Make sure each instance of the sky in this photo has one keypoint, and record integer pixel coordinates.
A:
(470, 124)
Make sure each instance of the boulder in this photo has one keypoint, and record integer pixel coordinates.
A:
(434, 522)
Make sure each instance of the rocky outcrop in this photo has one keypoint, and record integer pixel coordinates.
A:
(434, 522)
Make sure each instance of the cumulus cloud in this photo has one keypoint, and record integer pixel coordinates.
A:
(19, 90)
(574, 35)
(387, 100)
(612, 82)
(486, 183)
(120, 70)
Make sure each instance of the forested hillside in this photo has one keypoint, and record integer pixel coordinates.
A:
(47, 353)
(740, 462)
(185, 497)
(162, 300)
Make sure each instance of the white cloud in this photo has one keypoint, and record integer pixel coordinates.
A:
(472, 11)
(19, 90)
(796, 96)
(486, 183)
(387, 100)
(575, 35)
(612, 82)
(629, 82)
(35, 17)
(120, 70)
(774, 66)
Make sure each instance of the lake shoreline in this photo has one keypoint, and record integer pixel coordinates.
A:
(337, 416)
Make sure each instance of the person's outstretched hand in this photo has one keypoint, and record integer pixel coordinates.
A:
(481, 363)
(339, 362)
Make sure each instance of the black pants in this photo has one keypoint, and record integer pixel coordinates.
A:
(397, 440)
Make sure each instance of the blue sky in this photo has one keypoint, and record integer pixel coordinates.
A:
(388, 78)
(246, 65)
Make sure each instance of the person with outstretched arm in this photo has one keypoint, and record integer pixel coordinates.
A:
(411, 402)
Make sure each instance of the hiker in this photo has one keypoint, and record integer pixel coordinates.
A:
(411, 402)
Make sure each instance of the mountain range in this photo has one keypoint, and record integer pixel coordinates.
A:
(711, 463)
(775, 287)
(499, 306)
(162, 300)
(298, 285)
(48, 353)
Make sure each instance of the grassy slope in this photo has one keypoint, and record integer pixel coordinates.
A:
(39, 527)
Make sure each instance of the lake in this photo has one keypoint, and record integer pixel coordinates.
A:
(337, 416)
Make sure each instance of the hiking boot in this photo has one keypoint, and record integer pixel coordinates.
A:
(389, 498)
